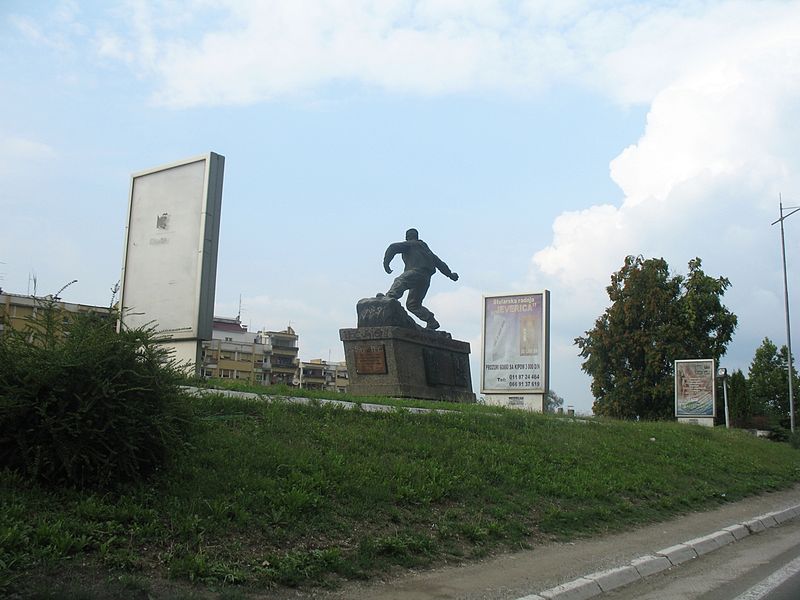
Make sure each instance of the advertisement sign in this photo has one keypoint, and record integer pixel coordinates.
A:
(516, 343)
(694, 388)
(171, 239)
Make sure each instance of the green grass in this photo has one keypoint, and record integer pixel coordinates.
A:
(279, 494)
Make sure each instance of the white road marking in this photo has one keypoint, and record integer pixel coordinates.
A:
(763, 588)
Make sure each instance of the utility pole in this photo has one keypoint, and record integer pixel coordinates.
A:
(723, 373)
(793, 210)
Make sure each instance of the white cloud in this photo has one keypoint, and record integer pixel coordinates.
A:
(234, 52)
(243, 51)
(456, 309)
(706, 132)
(17, 154)
(17, 148)
(703, 180)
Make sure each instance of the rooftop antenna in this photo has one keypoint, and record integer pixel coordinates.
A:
(32, 279)
(57, 295)
(239, 314)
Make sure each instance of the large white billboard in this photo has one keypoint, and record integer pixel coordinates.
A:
(516, 338)
(170, 259)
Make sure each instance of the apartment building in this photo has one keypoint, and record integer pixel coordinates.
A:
(284, 355)
(265, 357)
(16, 309)
(235, 353)
(318, 374)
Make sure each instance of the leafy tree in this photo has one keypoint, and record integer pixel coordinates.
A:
(768, 384)
(654, 319)
(552, 401)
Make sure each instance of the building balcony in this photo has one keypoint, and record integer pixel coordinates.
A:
(284, 349)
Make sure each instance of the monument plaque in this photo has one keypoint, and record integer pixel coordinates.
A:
(371, 360)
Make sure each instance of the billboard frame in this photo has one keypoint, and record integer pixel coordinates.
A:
(682, 399)
(543, 342)
(145, 300)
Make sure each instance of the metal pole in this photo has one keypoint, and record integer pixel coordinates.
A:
(725, 396)
(786, 306)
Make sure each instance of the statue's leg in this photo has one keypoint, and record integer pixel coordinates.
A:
(399, 286)
(414, 302)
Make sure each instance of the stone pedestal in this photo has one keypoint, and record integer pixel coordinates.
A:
(407, 363)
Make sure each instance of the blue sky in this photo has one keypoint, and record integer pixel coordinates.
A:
(533, 144)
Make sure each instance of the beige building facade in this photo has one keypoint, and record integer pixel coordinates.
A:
(318, 374)
(16, 310)
(264, 357)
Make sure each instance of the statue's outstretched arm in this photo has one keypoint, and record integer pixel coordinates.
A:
(444, 269)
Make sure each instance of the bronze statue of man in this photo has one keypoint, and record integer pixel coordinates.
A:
(420, 265)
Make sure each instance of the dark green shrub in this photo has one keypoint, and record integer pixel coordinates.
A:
(83, 405)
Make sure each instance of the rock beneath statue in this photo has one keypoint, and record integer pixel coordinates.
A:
(383, 311)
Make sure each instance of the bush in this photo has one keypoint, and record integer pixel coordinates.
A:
(83, 405)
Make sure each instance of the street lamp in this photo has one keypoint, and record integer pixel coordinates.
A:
(793, 210)
(723, 373)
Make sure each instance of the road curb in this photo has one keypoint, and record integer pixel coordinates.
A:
(600, 582)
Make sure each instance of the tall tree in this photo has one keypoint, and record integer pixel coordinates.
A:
(654, 319)
(768, 383)
(740, 408)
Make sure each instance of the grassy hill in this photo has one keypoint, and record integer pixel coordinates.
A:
(281, 494)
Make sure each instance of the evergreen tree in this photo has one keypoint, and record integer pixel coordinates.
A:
(768, 383)
(740, 408)
(654, 319)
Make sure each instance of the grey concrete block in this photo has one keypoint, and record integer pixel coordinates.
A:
(710, 542)
(532, 597)
(611, 579)
(781, 516)
(754, 525)
(737, 531)
(650, 565)
(723, 538)
(703, 545)
(579, 589)
(767, 520)
(678, 554)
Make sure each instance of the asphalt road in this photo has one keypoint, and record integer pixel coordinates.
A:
(765, 566)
